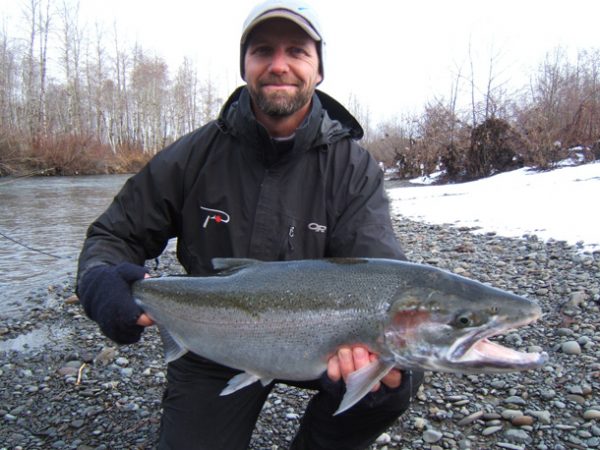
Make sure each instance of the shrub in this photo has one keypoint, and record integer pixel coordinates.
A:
(492, 149)
(68, 155)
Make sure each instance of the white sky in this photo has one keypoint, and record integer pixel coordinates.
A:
(392, 55)
(561, 204)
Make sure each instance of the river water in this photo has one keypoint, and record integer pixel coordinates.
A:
(49, 218)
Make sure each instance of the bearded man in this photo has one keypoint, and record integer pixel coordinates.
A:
(278, 176)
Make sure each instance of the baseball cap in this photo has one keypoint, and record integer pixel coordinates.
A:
(299, 12)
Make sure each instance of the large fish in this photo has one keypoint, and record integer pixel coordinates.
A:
(284, 320)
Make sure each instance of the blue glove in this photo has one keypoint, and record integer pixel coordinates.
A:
(105, 293)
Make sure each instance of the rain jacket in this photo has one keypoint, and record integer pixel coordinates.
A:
(229, 190)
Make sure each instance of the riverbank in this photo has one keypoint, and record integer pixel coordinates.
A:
(73, 389)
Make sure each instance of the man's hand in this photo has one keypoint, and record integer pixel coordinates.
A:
(105, 294)
(144, 320)
(350, 359)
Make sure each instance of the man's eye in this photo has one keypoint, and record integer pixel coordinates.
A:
(261, 51)
(298, 51)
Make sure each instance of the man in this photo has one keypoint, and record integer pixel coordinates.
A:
(277, 176)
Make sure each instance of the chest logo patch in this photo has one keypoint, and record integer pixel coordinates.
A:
(317, 228)
(215, 215)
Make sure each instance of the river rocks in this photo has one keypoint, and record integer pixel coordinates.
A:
(63, 385)
(571, 348)
(431, 436)
(592, 414)
(72, 300)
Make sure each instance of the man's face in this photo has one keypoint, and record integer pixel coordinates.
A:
(281, 67)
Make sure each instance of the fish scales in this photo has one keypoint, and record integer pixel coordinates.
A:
(234, 318)
(283, 320)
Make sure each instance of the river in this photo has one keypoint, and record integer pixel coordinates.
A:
(49, 218)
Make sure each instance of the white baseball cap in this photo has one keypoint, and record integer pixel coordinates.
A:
(299, 12)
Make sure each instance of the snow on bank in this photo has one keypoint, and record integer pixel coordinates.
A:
(562, 204)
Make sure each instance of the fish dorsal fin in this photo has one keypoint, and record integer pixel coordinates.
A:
(232, 264)
(361, 382)
(241, 381)
(172, 347)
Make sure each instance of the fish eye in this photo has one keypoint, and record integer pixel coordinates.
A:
(463, 320)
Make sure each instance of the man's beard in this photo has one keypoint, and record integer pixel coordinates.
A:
(280, 104)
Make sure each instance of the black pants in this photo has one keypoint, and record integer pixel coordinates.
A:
(196, 417)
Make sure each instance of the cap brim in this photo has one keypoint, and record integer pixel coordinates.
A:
(281, 14)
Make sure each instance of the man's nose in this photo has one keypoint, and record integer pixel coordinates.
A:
(279, 62)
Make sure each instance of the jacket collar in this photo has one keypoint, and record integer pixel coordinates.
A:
(327, 122)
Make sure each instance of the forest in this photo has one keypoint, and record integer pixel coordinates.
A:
(75, 100)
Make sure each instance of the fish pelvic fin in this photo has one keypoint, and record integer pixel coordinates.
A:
(361, 382)
(241, 381)
(232, 264)
(172, 347)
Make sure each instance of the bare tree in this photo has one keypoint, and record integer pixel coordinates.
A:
(149, 84)
(8, 85)
(70, 60)
(209, 101)
(363, 115)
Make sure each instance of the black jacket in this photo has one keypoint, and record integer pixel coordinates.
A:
(228, 190)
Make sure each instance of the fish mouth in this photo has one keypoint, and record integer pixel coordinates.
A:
(476, 351)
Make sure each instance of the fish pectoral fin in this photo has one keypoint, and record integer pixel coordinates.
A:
(242, 380)
(362, 381)
(172, 347)
(232, 264)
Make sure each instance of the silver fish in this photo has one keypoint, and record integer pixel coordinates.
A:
(284, 320)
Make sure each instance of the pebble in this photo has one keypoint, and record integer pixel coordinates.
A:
(383, 439)
(510, 446)
(127, 371)
(106, 356)
(522, 421)
(547, 394)
(73, 299)
(592, 414)
(430, 436)
(420, 423)
(510, 414)
(571, 348)
(518, 436)
(121, 361)
(491, 430)
(471, 418)
(515, 400)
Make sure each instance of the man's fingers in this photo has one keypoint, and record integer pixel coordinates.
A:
(346, 362)
(360, 356)
(393, 379)
(333, 369)
(144, 320)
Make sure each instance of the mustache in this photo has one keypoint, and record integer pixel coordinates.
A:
(277, 81)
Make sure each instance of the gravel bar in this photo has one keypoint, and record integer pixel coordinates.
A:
(64, 386)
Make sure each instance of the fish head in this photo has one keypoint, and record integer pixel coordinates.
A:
(442, 322)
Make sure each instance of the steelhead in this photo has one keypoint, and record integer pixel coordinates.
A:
(284, 320)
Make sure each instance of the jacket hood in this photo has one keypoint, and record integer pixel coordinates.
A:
(327, 122)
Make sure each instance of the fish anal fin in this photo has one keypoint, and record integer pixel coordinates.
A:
(172, 347)
(242, 380)
(361, 382)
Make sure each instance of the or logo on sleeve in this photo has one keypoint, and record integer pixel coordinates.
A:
(215, 215)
